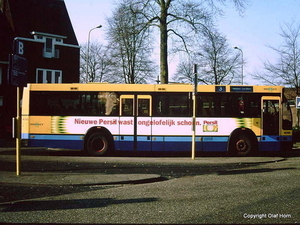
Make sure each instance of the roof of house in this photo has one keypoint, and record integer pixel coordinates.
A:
(45, 16)
(6, 35)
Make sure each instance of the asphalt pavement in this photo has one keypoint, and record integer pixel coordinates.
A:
(72, 187)
(59, 177)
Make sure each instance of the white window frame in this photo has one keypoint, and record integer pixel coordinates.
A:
(48, 76)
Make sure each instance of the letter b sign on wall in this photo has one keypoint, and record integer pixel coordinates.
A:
(19, 48)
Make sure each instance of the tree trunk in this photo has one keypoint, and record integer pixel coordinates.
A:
(164, 76)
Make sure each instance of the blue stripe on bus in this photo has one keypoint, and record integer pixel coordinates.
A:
(215, 139)
(56, 137)
(270, 143)
(124, 142)
(275, 138)
(178, 139)
(144, 138)
(214, 144)
(56, 141)
(78, 144)
(126, 138)
(286, 138)
(154, 143)
(157, 143)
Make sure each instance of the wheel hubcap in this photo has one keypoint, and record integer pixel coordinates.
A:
(242, 146)
(98, 145)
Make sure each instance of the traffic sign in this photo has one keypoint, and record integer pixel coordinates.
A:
(18, 70)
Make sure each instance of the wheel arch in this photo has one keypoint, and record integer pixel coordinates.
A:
(100, 129)
(245, 131)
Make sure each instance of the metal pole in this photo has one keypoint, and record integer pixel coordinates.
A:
(88, 53)
(242, 66)
(235, 47)
(18, 135)
(194, 113)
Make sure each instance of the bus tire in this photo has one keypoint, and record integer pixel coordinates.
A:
(97, 144)
(242, 143)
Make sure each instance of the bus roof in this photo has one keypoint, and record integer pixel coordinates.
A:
(153, 88)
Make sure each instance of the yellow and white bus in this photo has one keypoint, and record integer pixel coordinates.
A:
(99, 118)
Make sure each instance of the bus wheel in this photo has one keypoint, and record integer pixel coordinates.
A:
(241, 145)
(97, 144)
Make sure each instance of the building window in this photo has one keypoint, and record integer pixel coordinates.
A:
(48, 76)
(50, 41)
(57, 78)
(49, 45)
(49, 48)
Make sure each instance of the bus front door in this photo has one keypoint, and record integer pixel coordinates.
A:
(271, 113)
(143, 123)
(135, 123)
(126, 123)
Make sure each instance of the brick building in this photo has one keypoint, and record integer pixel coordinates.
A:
(41, 32)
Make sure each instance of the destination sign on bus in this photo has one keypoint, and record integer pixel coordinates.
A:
(241, 89)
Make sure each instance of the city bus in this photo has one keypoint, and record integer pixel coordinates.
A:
(100, 118)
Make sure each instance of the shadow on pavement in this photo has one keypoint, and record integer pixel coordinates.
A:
(10, 193)
(68, 204)
(247, 171)
(70, 152)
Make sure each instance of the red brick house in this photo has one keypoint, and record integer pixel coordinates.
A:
(41, 32)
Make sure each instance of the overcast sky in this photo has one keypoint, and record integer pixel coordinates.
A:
(258, 27)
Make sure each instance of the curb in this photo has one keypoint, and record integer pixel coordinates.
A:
(82, 179)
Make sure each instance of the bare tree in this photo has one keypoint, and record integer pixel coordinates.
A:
(167, 16)
(130, 44)
(218, 63)
(99, 63)
(179, 19)
(286, 70)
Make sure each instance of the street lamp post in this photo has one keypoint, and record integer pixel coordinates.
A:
(88, 52)
(235, 47)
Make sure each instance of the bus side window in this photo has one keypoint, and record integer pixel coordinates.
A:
(207, 106)
(177, 104)
(144, 107)
(127, 107)
(108, 103)
(199, 107)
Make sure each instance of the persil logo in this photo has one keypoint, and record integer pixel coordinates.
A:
(210, 126)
